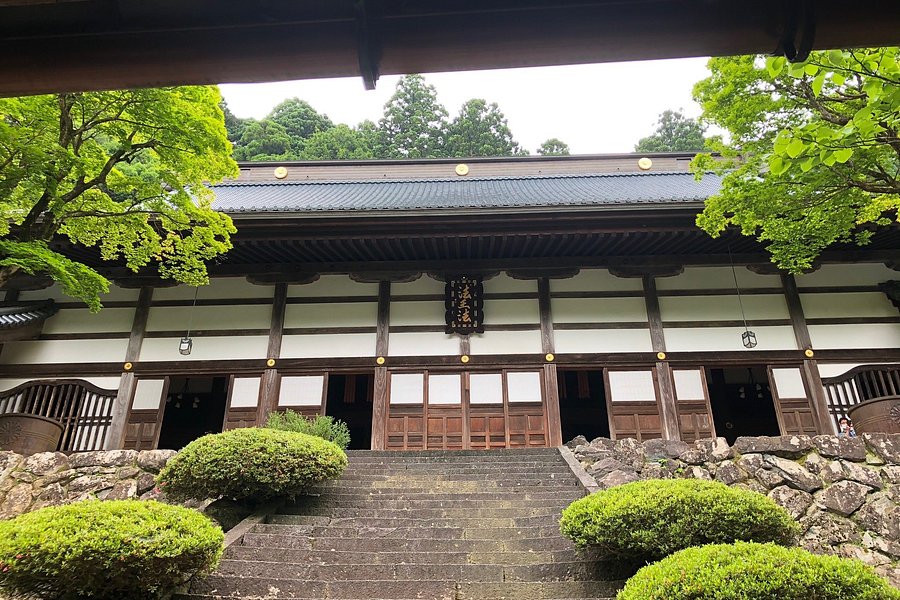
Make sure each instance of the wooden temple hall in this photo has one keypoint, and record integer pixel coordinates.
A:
(447, 304)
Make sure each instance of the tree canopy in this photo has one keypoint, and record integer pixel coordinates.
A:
(554, 147)
(815, 152)
(674, 133)
(123, 172)
(414, 125)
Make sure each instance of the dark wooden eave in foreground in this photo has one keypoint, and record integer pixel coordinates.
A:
(24, 320)
(48, 46)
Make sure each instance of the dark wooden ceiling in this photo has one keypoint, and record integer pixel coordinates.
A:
(48, 45)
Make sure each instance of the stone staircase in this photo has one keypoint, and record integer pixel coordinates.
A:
(430, 525)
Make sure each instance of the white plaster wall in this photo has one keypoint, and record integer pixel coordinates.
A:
(503, 284)
(332, 285)
(598, 310)
(505, 342)
(54, 292)
(64, 351)
(207, 348)
(855, 304)
(695, 278)
(511, 312)
(596, 280)
(220, 288)
(239, 316)
(847, 274)
(81, 320)
(700, 339)
(422, 285)
(107, 383)
(337, 314)
(417, 313)
(835, 369)
(722, 308)
(878, 335)
(423, 344)
(328, 346)
(602, 340)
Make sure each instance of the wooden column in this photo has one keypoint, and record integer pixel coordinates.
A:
(668, 409)
(811, 376)
(268, 389)
(115, 438)
(551, 385)
(380, 400)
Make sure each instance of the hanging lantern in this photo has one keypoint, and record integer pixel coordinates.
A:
(185, 345)
(749, 339)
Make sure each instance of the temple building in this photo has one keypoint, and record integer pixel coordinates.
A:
(465, 304)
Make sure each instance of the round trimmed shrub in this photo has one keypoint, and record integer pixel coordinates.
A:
(250, 464)
(750, 571)
(107, 550)
(323, 426)
(647, 520)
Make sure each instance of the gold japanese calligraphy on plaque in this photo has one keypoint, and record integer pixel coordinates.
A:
(464, 303)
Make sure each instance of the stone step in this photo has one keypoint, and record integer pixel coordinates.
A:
(286, 588)
(430, 467)
(561, 571)
(417, 544)
(376, 512)
(486, 481)
(438, 533)
(470, 523)
(485, 455)
(367, 503)
(542, 494)
(301, 555)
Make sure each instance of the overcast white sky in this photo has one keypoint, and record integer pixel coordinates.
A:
(593, 108)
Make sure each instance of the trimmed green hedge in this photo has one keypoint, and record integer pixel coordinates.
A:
(250, 464)
(107, 550)
(647, 520)
(321, 426)
(749, 571)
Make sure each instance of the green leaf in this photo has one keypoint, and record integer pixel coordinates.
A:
(843, 155)
(817, 83)
(795, 148)
(810, 69)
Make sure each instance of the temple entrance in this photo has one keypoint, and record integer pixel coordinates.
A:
(742, 402)
(349, 399)
(582, 404)
(194, 407)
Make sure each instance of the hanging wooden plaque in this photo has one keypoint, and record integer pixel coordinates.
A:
(464, 303)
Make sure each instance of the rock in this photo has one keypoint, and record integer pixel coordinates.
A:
(880, 515)
(874, 542)
(824, 531)
(603, 443)
(155, 460)
(861, 474)
(23, 477)
(891, 573)
(885, 446)
(604, 467)
(655, 471)
(8, 462)
(697, 473)
(103, 458)
(785, 446)
(750, 463)
(630, 452)
(753, 486)
(578, 440)
(847, 448)
(659, 448)
(45, 462)
(617, 478)
(844, 497)
(694, 456)
(873, 559)
(769, 479)
(794, 501)
(123, 490)
(52, 495)
(716, 449)
(729, 474)
(891, 474)
(589, 454)
(90, 483)
(16, 502)
(145, 482)
(815, 464)
(795, 475)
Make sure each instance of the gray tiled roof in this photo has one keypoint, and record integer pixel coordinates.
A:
(19, 315)
(496, 192)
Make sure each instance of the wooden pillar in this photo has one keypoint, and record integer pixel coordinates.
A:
(551, 385)
(115, 437)
(810, 370)
(268, 389)
(668, 409)
(380, 400)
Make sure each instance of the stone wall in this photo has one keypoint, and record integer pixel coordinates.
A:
(50, 478)
(845, 492)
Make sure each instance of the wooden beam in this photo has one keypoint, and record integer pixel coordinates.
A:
(380, 408)
(383, 325)
(668, 408)
(547, 342)
(268, 395)
(818, 401)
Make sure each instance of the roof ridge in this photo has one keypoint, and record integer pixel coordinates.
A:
(451, 179)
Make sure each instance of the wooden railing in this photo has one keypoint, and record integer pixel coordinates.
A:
(83, 409)
(865, 382)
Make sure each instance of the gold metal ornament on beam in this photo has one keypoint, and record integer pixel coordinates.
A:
(462, 169)
(281, 172)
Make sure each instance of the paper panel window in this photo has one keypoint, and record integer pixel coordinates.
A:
(632, 386)
(486, 388)
(245, 392)
(789, 383)
(444, 389)
(407, 388)
(302, 390)
(524, 387)
(148, 394)
(688, 384)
